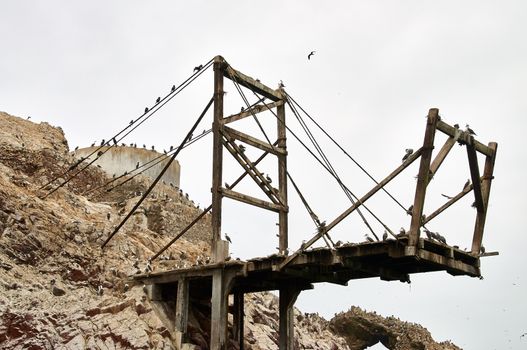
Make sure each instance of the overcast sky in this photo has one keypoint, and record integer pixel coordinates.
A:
(90, 67)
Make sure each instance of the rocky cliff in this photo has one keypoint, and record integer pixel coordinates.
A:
(59, 290)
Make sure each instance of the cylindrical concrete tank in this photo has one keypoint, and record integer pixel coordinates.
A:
(117, 160)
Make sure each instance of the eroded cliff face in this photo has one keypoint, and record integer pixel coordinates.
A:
(60, 290)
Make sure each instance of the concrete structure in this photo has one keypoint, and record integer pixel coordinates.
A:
(117, 160)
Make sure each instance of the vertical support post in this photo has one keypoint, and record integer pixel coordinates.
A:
(288, 297)
(219, 308)
(282, 179)
(180, 324)
(217, 158)
(238, 319)
(485, 189)
(423, 177)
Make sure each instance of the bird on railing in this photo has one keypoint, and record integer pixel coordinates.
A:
(242, 148)
(102, 142)
(158, 100)
(447, 197)
(465, 186)
(268, 178)
(368, 238)
(408, 153)
(385, 235)
(469, 130)
(173, 88)
(198, 68)
(146, 109)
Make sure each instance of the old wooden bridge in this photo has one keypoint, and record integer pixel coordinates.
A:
(392, 258)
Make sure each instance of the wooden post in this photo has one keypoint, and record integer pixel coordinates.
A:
(238, 319)
(474, 174)
(288, 297)
(217, 157)
(219, 308)
(180, 324)
(282, 180)
(485, 189)
(423, 177)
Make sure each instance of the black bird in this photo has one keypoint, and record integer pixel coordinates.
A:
(123, 144)
(171, 148)
(173, 88)
(482, 250)
(146, 109)
(158, 100)
(466, 184)
(310, 54)
(228, 238)
(153, 148)
(338, 244)
(408, 153)
(242, 109)
(447, 197)
(93, 144)
(198, 68)
(268, 178)
(76, 148)
(456, 126)
(410, 210)
(135, 145)
(28, 118)
(102, 142)
(99, 153)
(137, 165)
(144, 146)
(428, 234)
(108, 215)
(131, 122)
(469, 130)
(242, 148)
(114, 140)
(281, 84)
(165, 151)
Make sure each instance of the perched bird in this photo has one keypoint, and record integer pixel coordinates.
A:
(402, 231)
(456, 126)
(100, 290)
(153, 148)
(93, 144)
(369, 239)
(226, 185)
(242, 148)
(28, 118)
(165, 151)
(158, 100)
(428, 234)
(447, 197)
(338, 244)
(108, 215)
(465, 186)
(228, 238)
(144, 146)
(408, 153)
(190, 137)
(103, 142)
(131, 122)
(146, 109)
(482, 250)
(173, 88)
(385, 235)
(242, 109)
(114, 140)
(310, 54)
(281, 84)
(171, 148)
(123, 144)
(99, 153)
(76, 148)
(410, 210)
(198, 68)
(126, 287)
(469, 130)
(268, 178)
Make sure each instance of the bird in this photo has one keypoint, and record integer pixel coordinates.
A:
(402, 231)
(281, 84)
(226, 185)
(385, 235)
(144, 146)
(28, 118)
(310, 54)
(146, 109)
(190, 136)
(469, 130)
(99, 153)
(242, 148)
(447, 197)
(114, 140)
(228, 238)
(268, 178)
(482, 250)
(165, 151)
(126, 287)
(242, 109)
(456, 126)
(158, 100)
(198, 68)
(131, 122)
(76, 148)
(171, 148)
(153, 148)
(93, 144)
(100, 291)
(408, 153)
(173, 88)
(465, 186)
(108, 215)
(338, 244)
(103, 142)
(428, 234)
(369, 239)
(410, 210)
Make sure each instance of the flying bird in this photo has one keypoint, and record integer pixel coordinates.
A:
(310, 54)
(408, 153)
(198, 68)
(469, 130)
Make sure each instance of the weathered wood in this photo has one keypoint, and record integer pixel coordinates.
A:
(252, 200)
(447, 204)
(253, 141)
(238, 316)
(357, 204)
(282, 180)
(438, 160)
(251, 84)
(252, 111)
(474, 174)
(488, 172)
(451, 265)
(288, 297)
(422, 177)
(181, 319)
(217, 153)
(451, 131)
(219, 309)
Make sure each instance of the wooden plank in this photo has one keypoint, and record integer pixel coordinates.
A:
(252, 111)
(252, 200)
(438, 160)
(282, 180)
(448, 204)
(253, 141)
(181, 319)
(474, 174)
(488, 172)
(357, 204)
(288, 297)
(219, 309)
(451, 264)
(238, 319)
(451, 131)
(217, 155)
(252, 84)
(422, 177)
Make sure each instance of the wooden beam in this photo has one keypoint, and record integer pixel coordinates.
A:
(452, 265)
(438, 160)
(238, 316)
(282, 179)
(351, 209)
(448, 204)
(422, 177)
(182, 301)
(253, 141)
(217, 155)
(252, 200)
(485, 189)
(451, 131)
(219, 309)
(252, 111)
(288, 297)
(474, 174)
(251, 84)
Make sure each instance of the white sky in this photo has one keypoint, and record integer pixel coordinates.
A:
(379, 67)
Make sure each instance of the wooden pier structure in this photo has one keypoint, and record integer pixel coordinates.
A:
(394, 258)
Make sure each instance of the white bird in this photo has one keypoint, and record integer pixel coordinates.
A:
(100, 290)
(369, 238)
(385, 235)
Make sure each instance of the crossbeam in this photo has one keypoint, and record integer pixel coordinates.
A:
(251, 111)
(251, 84)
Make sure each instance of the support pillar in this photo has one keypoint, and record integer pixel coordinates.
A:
(287, 320)
(282, 179)
(219, 309)
(238, 319)
(181, 321)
